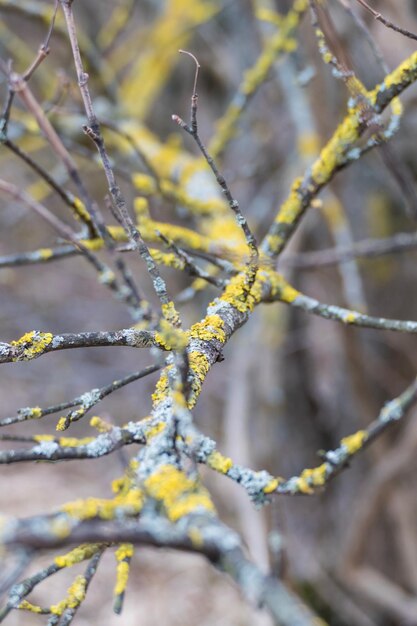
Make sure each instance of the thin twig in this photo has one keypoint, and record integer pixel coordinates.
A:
(93, 131)
(378, 16)
(192, 129)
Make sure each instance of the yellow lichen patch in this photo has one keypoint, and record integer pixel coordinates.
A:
(33, 413)
(74, 442)
(41, 438)
(290, 209)
(274, 242)
(141, 208)
(45, 253)
(199, 367)
(219, 463)
(311, 478)
(334, 151)
(281, 289)
(124, 551)
(179, 234)
(123, 554)
(354, 442)
(154, 430)
(210, 328)
(169, 259)
(170, 313)
(99, 424)
(75, 595)
(161, 388)
(397, 76)
(130, 503)
(62, 424)
(81, 553)
(67, 442)
(190, 504)
(144, 183)
(169, 337)
(33, 344)
(178, 397)
(28, 606)
(122, 576)
(396, 107)
(178, 494)
(80, 210)
(225, 230)
(238, 294)
(350, 317)
(93, 244)
(272, 485)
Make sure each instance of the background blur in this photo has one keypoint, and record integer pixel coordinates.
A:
(290, 384)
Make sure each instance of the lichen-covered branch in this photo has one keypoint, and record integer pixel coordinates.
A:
(35, 343)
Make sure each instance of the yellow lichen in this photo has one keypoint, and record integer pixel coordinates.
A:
(211, 327)
(130, 503)
(123, 554)
(33, 344)
(144, 183)
(272, 485)
(62, 424)
(179, 494)
(199, 367)
(74, 442)
(45, 253)
(80, 210)
(169, 259)
(124, 551)
(161, 388)
(43, 438)
(350, 317)
(354, 442)
(281, 289)
(122, 576)
(219, 463)
(81, 553)
(141, 207)
(310, 478)
(99, 424)
(397, 76)
(75, 595)
(169, 337)
(154, 430)
(170, 313)
(28, 606)
(237, 294)
(334, 151)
